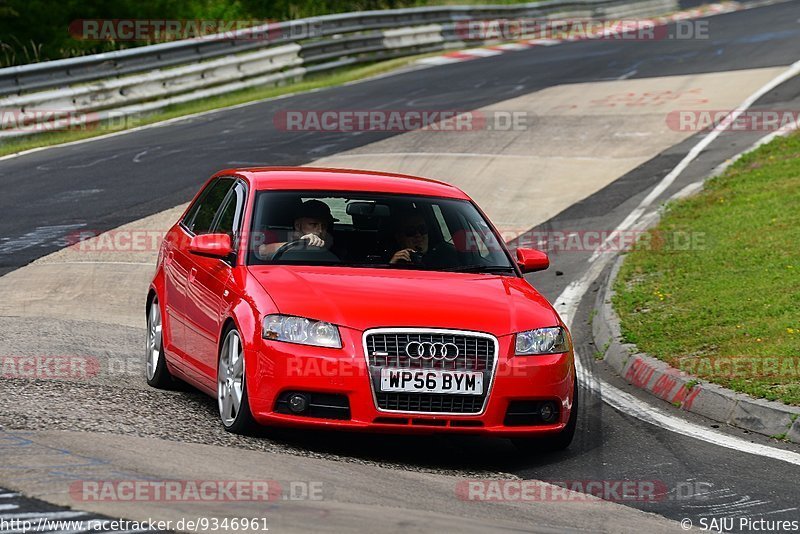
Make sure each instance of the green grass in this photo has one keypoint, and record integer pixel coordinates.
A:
(733, 298)
(311, 82)
(601, 352)
(37, 30)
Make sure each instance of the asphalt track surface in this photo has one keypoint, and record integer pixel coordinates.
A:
(16, 510)
(105, 183)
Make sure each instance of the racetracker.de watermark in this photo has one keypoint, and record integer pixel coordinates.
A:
(551, 241)
(49, 367)
(444, 120)
(195, 491)
(562, 490)
(50, 120)
(580, 29)
(587, 490)
(28, 523)
(340, 368)
(786, 367)
(128, 240)
(65, 367)
(750, 120)
(165, 30)
(592, 240)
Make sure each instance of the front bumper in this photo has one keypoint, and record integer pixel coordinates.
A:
(282, 367)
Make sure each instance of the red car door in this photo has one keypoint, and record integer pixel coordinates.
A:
(176, 273)
(205, 296)
(205, 291)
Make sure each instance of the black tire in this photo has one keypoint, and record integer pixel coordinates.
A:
(242, 421)
(156, 372)
(553, 442)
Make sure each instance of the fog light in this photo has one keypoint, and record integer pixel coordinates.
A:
(298, 403)
(548, 412)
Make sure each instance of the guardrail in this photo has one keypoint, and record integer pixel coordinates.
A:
(88, 89)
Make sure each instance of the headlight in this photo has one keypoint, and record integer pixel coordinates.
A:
(301, 330)
(542, 341)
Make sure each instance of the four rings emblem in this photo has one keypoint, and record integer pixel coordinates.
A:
(432, 351)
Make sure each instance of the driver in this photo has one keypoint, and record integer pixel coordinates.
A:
(312, 223)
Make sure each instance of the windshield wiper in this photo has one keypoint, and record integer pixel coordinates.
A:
(492, 269)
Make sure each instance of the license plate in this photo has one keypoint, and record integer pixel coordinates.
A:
(432, 381)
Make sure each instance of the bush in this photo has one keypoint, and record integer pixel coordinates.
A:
(38, 30)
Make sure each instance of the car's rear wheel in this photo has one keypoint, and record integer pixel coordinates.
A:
(234, 408)
(156, 371)
(553, 442)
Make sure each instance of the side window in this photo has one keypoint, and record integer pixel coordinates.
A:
(201, 216)
(230, 216)
(338, 208)
(192, 213)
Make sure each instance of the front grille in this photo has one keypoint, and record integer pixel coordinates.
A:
(474, 353)
(387, 349)
(430, 402)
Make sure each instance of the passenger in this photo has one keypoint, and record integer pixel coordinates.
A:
(410, 231)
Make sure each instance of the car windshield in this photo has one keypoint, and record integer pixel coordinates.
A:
(373, 230)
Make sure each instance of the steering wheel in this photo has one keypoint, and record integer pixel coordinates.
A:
(285, 247)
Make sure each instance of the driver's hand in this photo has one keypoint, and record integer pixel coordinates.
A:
(402, 255)
(263, 251)
(313, 240)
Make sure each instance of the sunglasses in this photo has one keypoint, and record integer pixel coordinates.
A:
(411, 231)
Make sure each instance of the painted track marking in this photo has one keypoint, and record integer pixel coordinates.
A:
(567, 304)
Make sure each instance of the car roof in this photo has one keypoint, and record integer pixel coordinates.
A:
(324, 179)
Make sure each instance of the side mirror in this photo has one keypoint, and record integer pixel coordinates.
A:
(211, 245)
(532, 260)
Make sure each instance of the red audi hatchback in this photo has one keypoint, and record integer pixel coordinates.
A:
(357, 300)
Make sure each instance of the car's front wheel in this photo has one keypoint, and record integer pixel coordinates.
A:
(554, 442)
(156, 371)
(234, 408)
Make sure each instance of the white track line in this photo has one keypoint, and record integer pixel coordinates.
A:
(567, 304)
(665, 182)
(167, 122)
(481, 52)
(438, 60)
(647, 412)
(719, 169)
(511, 46)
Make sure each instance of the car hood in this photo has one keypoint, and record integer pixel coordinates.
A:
(370, 298)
